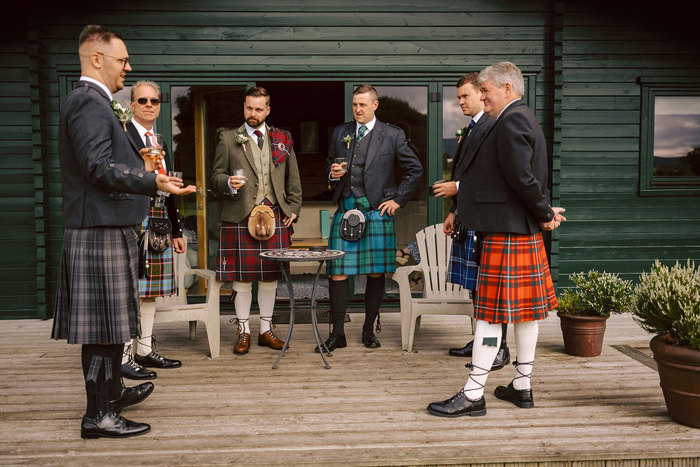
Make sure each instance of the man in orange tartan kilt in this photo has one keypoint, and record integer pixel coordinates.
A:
(506, 199)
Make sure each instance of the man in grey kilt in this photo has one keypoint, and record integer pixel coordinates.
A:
(106, 188)
(364, 180)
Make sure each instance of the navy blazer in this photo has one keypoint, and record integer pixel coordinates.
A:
(504, 186)
(387, 146)
(467, 149)
(170, 202)
(103, 178)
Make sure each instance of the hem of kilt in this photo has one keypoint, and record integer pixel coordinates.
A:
(490, 318)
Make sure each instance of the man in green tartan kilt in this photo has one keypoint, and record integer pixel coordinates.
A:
(362, 157)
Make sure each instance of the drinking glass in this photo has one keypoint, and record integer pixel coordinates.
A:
(155, 145)
(239, 174)
(340, 161)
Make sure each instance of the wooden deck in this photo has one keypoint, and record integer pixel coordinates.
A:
(368, 409)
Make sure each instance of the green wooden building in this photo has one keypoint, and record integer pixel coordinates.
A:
(615, 86)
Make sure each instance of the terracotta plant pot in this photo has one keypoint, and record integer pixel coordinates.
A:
(583, 335)
(679, 372)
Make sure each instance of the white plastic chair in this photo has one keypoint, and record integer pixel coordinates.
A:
(176, 309)
(439, 296)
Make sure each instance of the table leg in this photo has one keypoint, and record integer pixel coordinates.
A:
(317, 335)
(288, 280)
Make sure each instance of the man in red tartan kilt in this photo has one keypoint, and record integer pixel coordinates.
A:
(506, 199)
(255, 168)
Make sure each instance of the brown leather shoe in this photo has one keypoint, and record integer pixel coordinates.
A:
(242, 345)
(268, 339)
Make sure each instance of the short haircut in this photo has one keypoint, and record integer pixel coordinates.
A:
(471, 78)
(257, 91)
(502, 73)
(138, 84)
(95, 32)
(366, 88)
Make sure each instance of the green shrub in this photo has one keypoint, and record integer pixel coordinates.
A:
(596, 294)
(667, 300)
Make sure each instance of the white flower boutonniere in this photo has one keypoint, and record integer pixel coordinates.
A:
(347, 139)
(460, 133)
(123, 114)
(241, 139)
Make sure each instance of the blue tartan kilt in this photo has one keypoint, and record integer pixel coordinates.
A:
(375, 252)
(462, 269)
(160, 278)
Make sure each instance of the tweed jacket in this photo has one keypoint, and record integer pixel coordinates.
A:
(103, 178)
(504, 185)
(387, 148)
(231, 155)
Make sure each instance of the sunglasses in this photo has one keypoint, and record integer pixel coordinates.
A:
(144, 100)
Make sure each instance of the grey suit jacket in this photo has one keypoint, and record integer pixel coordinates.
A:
(231, 156)
(504, 186)
(387, 147)
(103, 178)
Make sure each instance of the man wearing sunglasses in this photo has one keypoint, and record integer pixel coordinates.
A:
(160, 278)
(105, 199)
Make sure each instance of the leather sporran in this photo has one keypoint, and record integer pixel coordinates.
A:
(459, 230)
(352, 225)
(261, 222)
(159, 234)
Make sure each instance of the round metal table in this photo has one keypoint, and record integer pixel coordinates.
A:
(289, 255)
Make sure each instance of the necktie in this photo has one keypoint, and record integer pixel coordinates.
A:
(361, 132)
(259, 134)
(469, 128)
(149, 141)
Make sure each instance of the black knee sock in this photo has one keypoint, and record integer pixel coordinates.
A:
(373, 300)
(504, 332)
(339, 292)
(94, 357)
(116, 385)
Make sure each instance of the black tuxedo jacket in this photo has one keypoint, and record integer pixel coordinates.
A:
(504, 186)
(170, 202)
(103, 178)
(467, 149)
(387, 147)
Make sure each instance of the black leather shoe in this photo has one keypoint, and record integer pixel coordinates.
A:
(133, 370)
(154, 360)
(334, 342)
(458, 406)
(521, 398)
(111, 425)
(502, 358)
(370, 340)
(465, 351)
(132, 396)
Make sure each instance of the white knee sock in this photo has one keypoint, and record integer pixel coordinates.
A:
(525, 344)
(267, 292)
(148, 315)
(244, 297)
(128, 351)
(482, 357)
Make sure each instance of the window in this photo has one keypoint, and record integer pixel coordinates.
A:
(670, 139)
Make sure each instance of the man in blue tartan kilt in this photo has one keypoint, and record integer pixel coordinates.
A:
(364, 180)
(255, 168)
(105, 199)
(463, 268)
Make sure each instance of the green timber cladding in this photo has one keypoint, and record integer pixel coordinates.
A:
(583, 59)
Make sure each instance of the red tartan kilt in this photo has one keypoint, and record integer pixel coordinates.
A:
(239, 253)
(514, 282)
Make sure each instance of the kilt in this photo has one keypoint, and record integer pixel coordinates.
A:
(97, 301)
(514, 283)
(462, 269)
(160, 279)
(375, 252)
(239, 253)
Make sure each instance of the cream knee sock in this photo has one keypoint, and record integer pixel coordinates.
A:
(482, 357)
(525, 344)
(267, 292)
(148, 315)
(244, 297)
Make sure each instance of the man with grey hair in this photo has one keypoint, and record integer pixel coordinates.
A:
(509, 204)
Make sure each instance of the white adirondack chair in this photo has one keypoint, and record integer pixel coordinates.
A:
(175, 307)
(439, 296)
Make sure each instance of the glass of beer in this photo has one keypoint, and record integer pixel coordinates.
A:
(155, 145)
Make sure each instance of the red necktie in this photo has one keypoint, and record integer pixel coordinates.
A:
(259, 134)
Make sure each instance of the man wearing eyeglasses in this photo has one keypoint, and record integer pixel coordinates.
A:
(105, 199)
(159, 280)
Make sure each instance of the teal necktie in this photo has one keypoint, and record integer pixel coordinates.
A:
(361, 132)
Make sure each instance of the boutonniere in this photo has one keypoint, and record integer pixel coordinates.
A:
(347, 139)
(241, 139)
(460, 133)
(123, 114)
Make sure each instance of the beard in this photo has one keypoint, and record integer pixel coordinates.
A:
(253, 122)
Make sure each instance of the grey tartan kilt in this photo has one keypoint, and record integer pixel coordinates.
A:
(97, 301)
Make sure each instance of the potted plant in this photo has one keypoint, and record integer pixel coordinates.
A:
(666, 302)
(584, 309)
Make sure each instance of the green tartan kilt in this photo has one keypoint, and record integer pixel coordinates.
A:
(375, 252)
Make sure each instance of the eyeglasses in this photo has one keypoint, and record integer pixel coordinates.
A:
(125, 61)
(144, 100)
